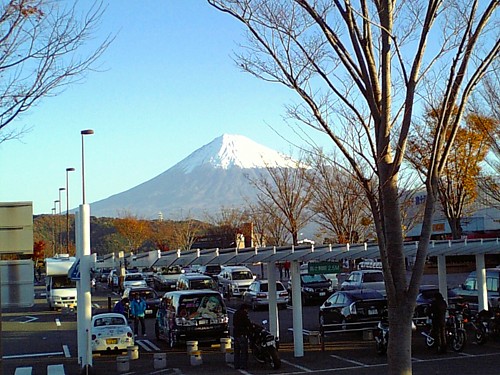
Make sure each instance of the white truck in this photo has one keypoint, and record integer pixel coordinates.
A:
(61, 290)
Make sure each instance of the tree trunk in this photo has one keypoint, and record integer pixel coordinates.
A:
(400, 335)
(456, 228)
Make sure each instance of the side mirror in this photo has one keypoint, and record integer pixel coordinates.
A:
(328, 303)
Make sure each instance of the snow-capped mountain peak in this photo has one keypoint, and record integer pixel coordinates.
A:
(228, 151)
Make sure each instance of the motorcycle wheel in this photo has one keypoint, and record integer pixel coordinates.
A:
(380, 346)
(458, 341)
(429, 342)
(481, 336)
(274, 357)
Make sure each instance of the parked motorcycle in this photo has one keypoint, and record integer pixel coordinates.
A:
(381, 336)
(263, 346)
(456, 336)
(487, 325)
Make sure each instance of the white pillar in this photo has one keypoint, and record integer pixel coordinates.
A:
(482, 291)
(298, 338)
(443, 285)
(273, 303)
(84, 308)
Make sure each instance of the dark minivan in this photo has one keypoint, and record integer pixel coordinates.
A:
(186, 315)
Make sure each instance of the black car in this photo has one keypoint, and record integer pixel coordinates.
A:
(352, 309)
(314, 288)
(148, 294)
(425, 297)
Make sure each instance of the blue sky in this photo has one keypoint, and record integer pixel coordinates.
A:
(168, 87)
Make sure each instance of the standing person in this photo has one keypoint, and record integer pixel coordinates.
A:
(241, 329)
(287, 269)
(137, 311)
(280, 268)
(438, 314)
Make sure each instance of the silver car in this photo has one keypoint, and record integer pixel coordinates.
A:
(233, 281)
(257, 294)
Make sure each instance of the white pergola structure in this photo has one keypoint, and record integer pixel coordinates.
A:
(333, 253)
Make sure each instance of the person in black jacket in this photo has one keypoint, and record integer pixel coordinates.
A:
(438, 314)
(241, 328)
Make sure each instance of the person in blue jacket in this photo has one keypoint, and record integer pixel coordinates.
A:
(137, 312)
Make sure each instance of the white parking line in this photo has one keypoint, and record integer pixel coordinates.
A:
(349, 360)
(147, 345)
(55, 370)
(67, 354)
(58, 322)
(23, 371)
(31, 355)
(297, 366)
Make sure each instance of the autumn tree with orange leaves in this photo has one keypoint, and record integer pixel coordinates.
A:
(133, 230)
(457, 186)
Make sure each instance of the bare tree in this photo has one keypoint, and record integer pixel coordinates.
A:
(41, 53)
(488, 103)
(338, 200)
(186, 232)
(283, 192)
(362, 70)
(268, 225)
(226, 225)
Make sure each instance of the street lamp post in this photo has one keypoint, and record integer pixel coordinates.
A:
(83, 133)
(54, 229)
(56, 233)
(84, 307)
(67, 208)
(59, 221)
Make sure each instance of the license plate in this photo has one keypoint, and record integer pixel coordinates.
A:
(111, 341)
(322, 294)
(149, 311)
(203, 322)
(372, 312)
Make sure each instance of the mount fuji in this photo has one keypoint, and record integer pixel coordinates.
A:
(214, 176)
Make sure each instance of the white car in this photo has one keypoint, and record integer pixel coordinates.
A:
(233, 281)
(110, 331)
(135, 279)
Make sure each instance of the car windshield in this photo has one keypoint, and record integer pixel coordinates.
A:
(109, 321)
(146, 294)
(264, 287)
(134, 277)
(213, 269)
(202, 284)
(373, 277)
(171, 271)
(313, 278)
(242, 275)
(62, 282)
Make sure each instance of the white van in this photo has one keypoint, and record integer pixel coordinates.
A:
(233, 281)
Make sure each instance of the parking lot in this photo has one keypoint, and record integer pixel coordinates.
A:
(45, 342)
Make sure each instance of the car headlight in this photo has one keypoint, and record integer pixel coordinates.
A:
(309, 290)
